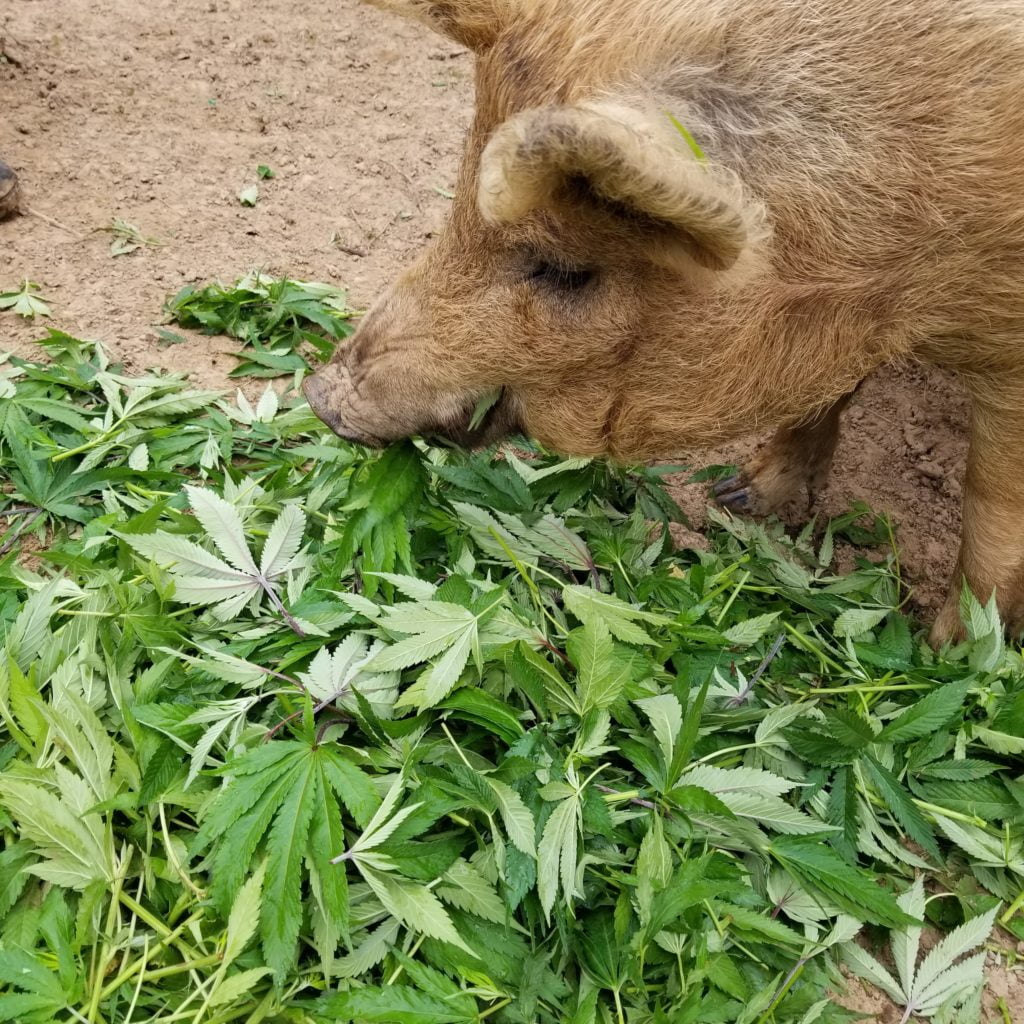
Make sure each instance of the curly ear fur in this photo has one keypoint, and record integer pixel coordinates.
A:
(690, 210)
(472, 23)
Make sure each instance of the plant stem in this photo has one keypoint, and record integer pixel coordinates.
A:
(1014, 907)
(618, 1006)
(788, 983)
(139, 964)
(860, 688)
(401, 967)
(732, 597)
(113, 915)
(186, 965)
(495, 1008)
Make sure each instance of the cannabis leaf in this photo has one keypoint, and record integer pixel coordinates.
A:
(431, 628)
(619, 618)
(558, 849)
(400, 1004)
(284, 801)
(854, 891)
(525, 760)
(277, 319)
(413, 904)
(26, 301)
(602, 673)
(35, 994)
(126, 238)
(202, 578)
(941, 980)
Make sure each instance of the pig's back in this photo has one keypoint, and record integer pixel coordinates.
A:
(883, 134)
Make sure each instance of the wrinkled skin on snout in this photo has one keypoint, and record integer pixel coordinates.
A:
(852, 196)
(390, 381)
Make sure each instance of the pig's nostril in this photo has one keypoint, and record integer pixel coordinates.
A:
(319, 393)
(316, 392)
(311, 388)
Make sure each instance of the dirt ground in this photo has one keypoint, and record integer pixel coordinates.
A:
(161, 113)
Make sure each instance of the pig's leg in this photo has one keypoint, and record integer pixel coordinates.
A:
(796, 459)
(992, 541)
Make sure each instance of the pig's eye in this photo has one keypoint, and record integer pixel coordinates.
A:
(562, 278)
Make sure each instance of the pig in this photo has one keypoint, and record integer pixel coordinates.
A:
(682, 221)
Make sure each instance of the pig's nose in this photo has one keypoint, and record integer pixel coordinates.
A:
(323, 393)
(313, 389)
(318, 393)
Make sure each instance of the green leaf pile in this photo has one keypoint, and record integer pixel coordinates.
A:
(295, 731)
(286, 325)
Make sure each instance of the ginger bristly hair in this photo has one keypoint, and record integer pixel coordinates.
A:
(681, 221)
(864, 162)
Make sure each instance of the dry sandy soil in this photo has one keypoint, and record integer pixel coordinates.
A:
(161, 113)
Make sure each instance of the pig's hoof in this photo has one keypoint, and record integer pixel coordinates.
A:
(8, 191)
(733, 493)
(947, 628)
(772, 482)
(760, 492)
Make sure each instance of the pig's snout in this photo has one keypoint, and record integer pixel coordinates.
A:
(325, 391)
(317, 390)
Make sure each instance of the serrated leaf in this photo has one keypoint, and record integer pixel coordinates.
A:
(666, 717)
(855, 621)
(463, 887)
(977, 618)
(601, 674)
(772, 813)
(244, 917)
(415, 906)
(281, 914)
(967, 769)
(865, 966)
(901, 806)
(238, 986)
(440, 678)
(169, 549)
(516, 817)
(267, 406)
(905, 942)
(720, 781)
(431, 627)
(930, 713)
(418, 590)
(760, 924)
(556, 854)
(748, 632)
(394, 1004)
(370, 952)
(944, 954)
(589, 605)
(223, 525)
(138, 457)
(853, 890)
(283, 541)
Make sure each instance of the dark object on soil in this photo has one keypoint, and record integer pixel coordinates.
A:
(8, 191)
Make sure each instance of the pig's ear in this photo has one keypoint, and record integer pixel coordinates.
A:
(472, 23)
(682, 208)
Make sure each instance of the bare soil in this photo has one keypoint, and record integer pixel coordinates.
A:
(161, 113)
